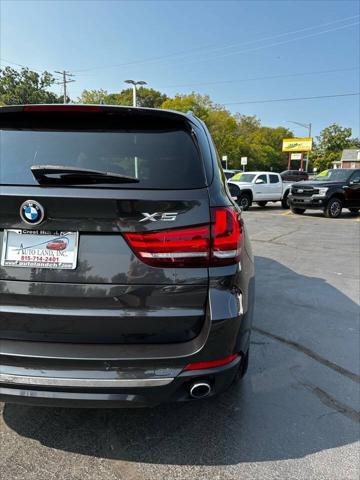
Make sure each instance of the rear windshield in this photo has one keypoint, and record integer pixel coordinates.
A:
(160, 159)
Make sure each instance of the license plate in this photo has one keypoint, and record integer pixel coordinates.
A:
(38, 249)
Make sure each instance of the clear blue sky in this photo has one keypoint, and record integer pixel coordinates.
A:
(180, 46)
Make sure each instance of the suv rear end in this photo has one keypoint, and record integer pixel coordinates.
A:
(132, 287)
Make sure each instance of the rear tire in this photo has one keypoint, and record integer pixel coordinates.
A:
(245, 201)
(297, 211)
(354, 211)
(333, 208)
(262, 204)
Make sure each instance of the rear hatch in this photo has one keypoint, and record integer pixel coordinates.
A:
(97, 268)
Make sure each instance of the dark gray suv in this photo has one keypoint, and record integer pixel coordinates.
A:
(126, 273)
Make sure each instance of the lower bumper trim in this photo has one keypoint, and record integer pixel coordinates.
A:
(83, 382)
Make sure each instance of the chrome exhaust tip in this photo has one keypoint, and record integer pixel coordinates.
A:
(200, 390)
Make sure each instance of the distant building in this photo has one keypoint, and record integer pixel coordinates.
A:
(350, 158)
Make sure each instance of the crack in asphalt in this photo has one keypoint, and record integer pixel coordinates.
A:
(328, 399)
(284, 234)
(269, 241)
(310, 353)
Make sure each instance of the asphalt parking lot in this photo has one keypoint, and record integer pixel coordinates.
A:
(296, 414)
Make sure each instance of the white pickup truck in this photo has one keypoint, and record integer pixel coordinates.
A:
(259, 187)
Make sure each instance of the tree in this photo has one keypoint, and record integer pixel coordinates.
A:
(248, 125)
(200, 105)
(330, 144)
(146, 97)
(266, 147)
(93, 96)
(224, 131)
(26, 86)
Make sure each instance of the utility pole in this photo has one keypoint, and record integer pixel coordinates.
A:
(64, 82)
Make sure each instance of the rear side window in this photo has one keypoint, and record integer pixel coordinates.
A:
(159, 158)
(274, 178)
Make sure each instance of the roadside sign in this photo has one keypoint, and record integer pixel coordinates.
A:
(244, 160)
(224, 160)
(297, 144)
(295, 156)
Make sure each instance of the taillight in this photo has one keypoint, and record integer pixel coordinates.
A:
(226, 236)
(62, 108)
(216, 244)
(181, 247)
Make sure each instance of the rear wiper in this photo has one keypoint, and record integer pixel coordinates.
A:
(50, 174)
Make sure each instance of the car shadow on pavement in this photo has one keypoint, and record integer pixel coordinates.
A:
(280, 411)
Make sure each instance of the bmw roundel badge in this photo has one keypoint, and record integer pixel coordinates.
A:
(32, 212)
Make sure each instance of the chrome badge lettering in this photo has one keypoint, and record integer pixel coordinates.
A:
(155, 217)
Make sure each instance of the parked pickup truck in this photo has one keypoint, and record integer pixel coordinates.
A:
(331, 191)
(259, 187)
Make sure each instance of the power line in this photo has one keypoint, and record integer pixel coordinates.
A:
(267, 77)
(293, 99)
(64, 82)
(192, 51)
(19, 65)
(261, 47)
(187, 53)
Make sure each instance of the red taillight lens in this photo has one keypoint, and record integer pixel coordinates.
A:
(62, 108)
(226, 236)
(211, 363)
(206, 245)
(183, 247)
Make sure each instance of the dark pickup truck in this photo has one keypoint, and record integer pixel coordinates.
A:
(338, 189)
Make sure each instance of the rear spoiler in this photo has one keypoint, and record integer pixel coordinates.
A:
(155, 113)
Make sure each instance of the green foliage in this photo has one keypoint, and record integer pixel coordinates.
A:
(330, 144)
(95, 97)
(25, 86)
(248, 125)
(266, 148)
(200, 105)
(146, 97)
(236, 135)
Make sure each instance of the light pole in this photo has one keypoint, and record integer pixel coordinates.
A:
(308, 127)
(134, 84)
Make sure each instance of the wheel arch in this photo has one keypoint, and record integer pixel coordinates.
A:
(248, 191)
(337, 194)
(286, 192)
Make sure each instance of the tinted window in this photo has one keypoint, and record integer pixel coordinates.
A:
(263, 178)
(333, 175)
(355, 176)
(274, 179)
(159, 158)
(228, 174)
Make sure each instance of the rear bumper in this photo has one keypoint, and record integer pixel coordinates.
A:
(315, 202)
(114, 375)
(147, 392)
(43, 376)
